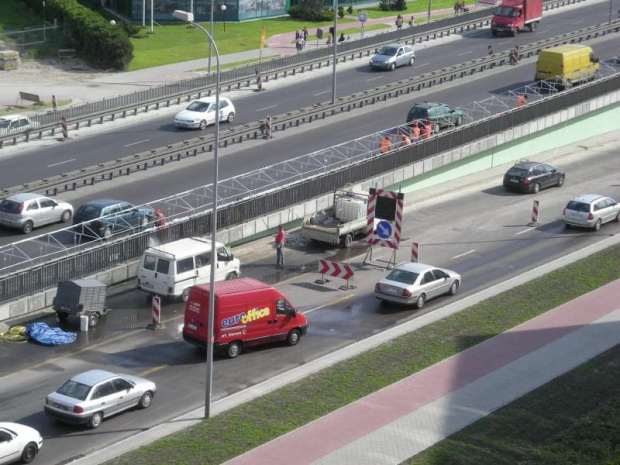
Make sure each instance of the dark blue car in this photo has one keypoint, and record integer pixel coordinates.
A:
(105, 217)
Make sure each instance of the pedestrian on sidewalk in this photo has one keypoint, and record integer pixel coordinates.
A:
(342, 38)
(280, 238)
(329, 40)
(464, 9)
(399, 22)
(457, 7)
(305, 35)
(411, 21)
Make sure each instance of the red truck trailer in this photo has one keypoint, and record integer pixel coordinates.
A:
(512, 16)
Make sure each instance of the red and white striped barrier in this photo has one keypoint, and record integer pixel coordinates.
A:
(65, 131)
(514, 55)
(535, 210)
(335, 270)
(414, 252)
(267, 131)
(259, 85)
(155, 313)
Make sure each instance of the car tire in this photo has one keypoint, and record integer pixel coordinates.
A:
(27, 227)
(231, 276)
(392, 66)
(233, 350)
(411, 61)
(231, 117)
(454, 288)
(66, 216)
(146, 400)
(533, 26)
(494, 32)
(597, 225)
(458, 121)
(29, 452)
(93, 319)
(347, 240)
(560, 181)
(515, 31)
(185, 294)
(95, 420)
(536, 189)
(293, 337)
(203, 124)
(421, 301)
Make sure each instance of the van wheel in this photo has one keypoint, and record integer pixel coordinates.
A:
(421, 300)
(533, 26)
(231, 276)
(93, 318)
(27, 227)
(95, 420)
(233, 349)
(185, 294)
(597, 225)
(515, 31)
(293, 337)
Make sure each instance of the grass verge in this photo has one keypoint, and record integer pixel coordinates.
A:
(34, 107)
(250, 425)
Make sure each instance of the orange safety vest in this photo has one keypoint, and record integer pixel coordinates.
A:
(415, 132)
(385, 145)
(426, 132)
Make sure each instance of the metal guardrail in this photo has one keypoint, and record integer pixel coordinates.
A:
(175, 93)
(278, 193)
(193, 147)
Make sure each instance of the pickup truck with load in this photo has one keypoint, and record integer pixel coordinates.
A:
(339, 224)
(512, 16)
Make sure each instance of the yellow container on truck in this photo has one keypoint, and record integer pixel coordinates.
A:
(566, 65)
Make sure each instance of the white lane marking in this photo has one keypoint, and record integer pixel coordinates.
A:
(531, 228)
(503, 42)
(61, 163)
(136, 143)
(267, 108)
(463, 254)
(424, 64)
(321, 93)
(465, 53)
(374, 79)
(543, 32)
(578, 22)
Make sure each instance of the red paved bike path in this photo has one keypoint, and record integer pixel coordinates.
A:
(356, 420)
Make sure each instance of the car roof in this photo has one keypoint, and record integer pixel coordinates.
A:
(24, 197)
(415, 267)
(396, 44)
(104, 202)
(429, 105)
(11, 117)
(93, 377)
(526, 164)
(210, 99)
(588, 198)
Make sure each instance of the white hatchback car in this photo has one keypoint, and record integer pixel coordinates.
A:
(18, 443)
(201, 113)
(416, 283)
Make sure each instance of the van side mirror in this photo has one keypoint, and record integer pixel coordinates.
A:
(231, 257)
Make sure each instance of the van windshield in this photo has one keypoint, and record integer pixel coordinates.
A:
(505, 11)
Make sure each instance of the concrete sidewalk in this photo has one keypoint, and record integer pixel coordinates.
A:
(406, 418)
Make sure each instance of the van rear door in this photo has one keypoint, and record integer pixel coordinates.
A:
(155, 274)
(195, 318)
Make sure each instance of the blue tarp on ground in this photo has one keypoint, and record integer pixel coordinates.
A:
(43, 334)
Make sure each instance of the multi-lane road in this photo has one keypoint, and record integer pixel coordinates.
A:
(471, 226)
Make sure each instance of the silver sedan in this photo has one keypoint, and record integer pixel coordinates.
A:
(416, 283)
(90, 397)
(393, 55)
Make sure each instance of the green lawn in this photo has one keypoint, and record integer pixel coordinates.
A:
(413, 7)
(247, 426)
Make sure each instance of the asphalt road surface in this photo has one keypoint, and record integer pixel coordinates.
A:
(470, 225)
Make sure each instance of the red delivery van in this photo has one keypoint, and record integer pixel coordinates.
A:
(247, 313)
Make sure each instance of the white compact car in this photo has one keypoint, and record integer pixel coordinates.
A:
(18, 443)
(201, 113)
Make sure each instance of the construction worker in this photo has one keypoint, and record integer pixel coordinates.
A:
(385, 144)
(521, 100)
(404, 139)
(415, 132)
(427, 130)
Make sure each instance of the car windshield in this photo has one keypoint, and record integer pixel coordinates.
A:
(89, 212)
(505, 11)
(402, 276)
(74, 390)
(518, 172)
(418, 113)
(388, 51)
(198, 106)
(9, 206)
(578, 206)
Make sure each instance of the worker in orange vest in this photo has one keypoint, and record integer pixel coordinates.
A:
(404, 139)
(521, 100)
(415, 132)
(385, 144)
(426, 130)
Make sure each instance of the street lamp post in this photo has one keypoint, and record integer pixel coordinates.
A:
(211, 34)
(223, 8)
(189, 17)
(43, 20)
(335, 52)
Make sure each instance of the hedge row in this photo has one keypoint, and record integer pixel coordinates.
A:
(98, 42)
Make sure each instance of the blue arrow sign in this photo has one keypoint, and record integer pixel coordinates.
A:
(384, 230)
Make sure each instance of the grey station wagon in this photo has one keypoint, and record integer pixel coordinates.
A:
(591, 211)
(90, 397)
(393, 55)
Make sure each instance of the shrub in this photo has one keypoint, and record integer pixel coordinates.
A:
(94, 38)
(341, 12)
(400, 5)
(384, 5)
(309, 10)
(350, 9)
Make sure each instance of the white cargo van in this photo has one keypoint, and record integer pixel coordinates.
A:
(171, 269)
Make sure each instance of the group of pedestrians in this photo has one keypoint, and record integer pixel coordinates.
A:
(460, 7)
(420, 130)
(301, 37)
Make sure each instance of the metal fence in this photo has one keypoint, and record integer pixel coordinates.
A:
(279, 192)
